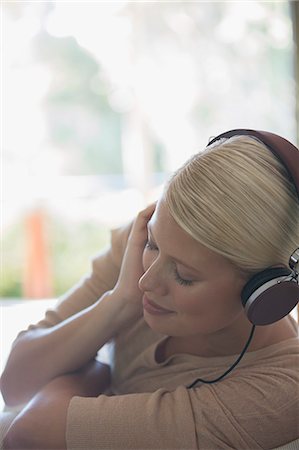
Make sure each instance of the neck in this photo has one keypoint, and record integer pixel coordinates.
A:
(231, 340)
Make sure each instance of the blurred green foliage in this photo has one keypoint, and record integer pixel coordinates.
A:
(72, 246)
(11, 262)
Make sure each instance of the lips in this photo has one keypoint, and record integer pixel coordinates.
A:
(153, 308)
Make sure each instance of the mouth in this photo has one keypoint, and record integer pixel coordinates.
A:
(152, 308)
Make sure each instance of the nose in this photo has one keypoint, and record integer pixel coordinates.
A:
(152, 280)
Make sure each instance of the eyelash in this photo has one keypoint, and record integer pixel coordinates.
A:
(150, 246)
(181, 280)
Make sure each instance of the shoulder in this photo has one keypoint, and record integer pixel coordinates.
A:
(260, 401)
(270, 373)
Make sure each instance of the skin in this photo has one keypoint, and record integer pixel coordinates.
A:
(206, 318)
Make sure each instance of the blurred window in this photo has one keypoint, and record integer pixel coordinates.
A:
(102, 101)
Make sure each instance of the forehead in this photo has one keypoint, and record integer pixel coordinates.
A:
(175, 242)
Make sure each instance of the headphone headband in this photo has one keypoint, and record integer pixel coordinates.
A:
(286, 152)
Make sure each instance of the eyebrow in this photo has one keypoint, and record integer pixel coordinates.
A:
(175, 259)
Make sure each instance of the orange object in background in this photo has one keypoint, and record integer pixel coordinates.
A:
(37, 281)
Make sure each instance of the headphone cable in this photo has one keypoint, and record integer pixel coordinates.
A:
(231, 367)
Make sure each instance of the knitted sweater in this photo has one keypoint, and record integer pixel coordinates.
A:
(148, 405)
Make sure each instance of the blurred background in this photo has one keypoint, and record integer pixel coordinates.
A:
(101, 101)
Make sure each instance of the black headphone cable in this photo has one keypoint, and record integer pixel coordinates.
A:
(231, 367)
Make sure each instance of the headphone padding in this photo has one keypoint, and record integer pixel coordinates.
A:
(273, 304)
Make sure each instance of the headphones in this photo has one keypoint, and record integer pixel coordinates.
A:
(271, 294)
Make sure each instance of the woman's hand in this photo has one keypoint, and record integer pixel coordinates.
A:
(131, 270)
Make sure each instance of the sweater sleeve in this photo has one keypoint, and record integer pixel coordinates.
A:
(104, 274)
(256, 410)
(159, 420)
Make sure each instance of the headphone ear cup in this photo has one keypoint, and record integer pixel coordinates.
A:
(268, 296)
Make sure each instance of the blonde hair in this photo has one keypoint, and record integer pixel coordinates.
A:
(236, 199)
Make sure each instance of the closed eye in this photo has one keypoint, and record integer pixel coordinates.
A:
(150, 245)
(182, 281)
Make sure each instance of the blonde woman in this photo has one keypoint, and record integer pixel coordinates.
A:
(192, 365)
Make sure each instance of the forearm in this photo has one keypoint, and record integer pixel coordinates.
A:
(89, 381)
(30, 428)
(44, 354)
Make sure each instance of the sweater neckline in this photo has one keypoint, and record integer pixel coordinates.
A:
(219, 360)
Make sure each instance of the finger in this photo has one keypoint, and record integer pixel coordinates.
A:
(144, 215)
(148, 211)
(138, 232)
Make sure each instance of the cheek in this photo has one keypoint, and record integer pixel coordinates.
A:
(207, 300)
(187, 302)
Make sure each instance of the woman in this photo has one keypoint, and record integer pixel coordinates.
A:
(168, 298)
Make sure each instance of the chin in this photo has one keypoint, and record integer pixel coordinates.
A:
(156, 324)
(164, 326)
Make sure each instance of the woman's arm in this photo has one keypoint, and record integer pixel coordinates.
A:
(117, 310)
(50, 348)
(158, 420)
(62, 349)
(42, 423)
(71, 344)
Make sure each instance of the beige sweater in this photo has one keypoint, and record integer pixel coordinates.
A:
(148, 405)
